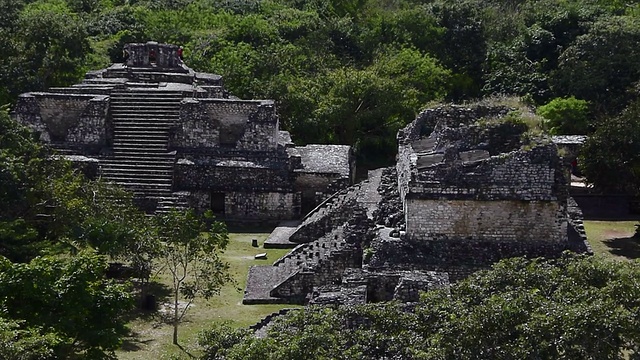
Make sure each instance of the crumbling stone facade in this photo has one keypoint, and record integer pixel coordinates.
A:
(471, 187)
(177, 138)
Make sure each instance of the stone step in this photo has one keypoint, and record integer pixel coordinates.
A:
(151, 146)
(140, 171)
(158, 136)
(147, 94)
(133, 160)
(143, 137)
(140, 142)
(140, 182)
(145, 104)
(143, 126)
(150, 114)
(165, 157)
(145, 98)
(138, 168)
(146, 181)
(135, 105)
(132, 131)
(152, 194)
(122, 151)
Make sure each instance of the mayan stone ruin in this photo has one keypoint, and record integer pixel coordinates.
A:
(470, 187)
(471, 184)
(177, 138)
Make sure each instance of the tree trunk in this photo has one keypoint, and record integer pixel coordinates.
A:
(175, 319)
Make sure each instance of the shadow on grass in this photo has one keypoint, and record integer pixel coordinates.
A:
(628, 247)
(146, 310)
(186, 352)
(133, 343)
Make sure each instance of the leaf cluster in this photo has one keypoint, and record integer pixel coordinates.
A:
(574, 307)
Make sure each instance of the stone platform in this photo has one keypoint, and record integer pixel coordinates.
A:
(279, 237)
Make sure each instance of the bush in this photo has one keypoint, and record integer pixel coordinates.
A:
(566, 116)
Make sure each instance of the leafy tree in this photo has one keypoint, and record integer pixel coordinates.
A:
(574, 307)
(48, 49)
(69, 301)
(26, 172)
(190, 252)
(569, 116)
(610, 157)
(26, 344)
(600, 65)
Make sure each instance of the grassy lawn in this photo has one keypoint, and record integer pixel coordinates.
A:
(613, 238)
(151, 337)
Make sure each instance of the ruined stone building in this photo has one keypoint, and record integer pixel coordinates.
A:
(176, 137)
(471, 186)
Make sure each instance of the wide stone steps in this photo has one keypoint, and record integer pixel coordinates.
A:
(141, 160)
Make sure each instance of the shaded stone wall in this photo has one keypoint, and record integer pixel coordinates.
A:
(327, 271)
(79, 121)
(507, 221)
(249, 205)
(144, 54)
(224, 176)
(240, 124)
(455, 256)
(262, 205)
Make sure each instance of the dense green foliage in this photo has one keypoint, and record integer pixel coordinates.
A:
(568, 116)
(65, 308)
(346, 71)
(610, 158)
(56, 230)
(569, 308)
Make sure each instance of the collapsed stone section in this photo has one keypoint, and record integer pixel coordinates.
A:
(332, 236)
(474, 190)
(176, 138)
(471, 187)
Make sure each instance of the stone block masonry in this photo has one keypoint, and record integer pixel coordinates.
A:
(174, 137)
(500, 221)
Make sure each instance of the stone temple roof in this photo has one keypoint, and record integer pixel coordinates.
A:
(333, 159)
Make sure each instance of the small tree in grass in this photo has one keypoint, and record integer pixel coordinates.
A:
(190, 251)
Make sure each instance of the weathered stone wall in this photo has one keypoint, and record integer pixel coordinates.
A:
(457, 257)
(229, 175)
(327, 271)
(525, 175)
(504, 221)
(79, 121)
(262, 205)
(250, 205)
(450, 115)
(196, 129)
(143, 54)
(240, 124)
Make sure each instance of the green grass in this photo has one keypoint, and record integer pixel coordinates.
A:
(613, 238)
(151, 337)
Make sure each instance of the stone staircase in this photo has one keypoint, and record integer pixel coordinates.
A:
(141, 160)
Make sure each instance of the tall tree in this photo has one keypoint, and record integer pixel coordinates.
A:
(190, 252)
(610, 157)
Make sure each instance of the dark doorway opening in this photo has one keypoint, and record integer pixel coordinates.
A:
(217, 203)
